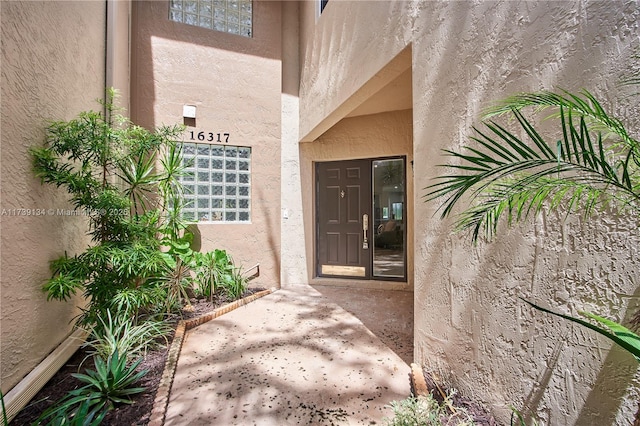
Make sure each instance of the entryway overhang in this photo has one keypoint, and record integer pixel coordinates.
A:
(389, 89)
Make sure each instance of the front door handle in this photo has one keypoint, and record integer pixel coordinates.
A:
(365, 228)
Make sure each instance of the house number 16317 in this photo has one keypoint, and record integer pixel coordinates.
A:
(210, 136)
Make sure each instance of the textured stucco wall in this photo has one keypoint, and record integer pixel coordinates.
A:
(370, 136)
(53, 67)
(337, 60)
(118, 50)
(294, 262)
(470, 325)
(235, 83)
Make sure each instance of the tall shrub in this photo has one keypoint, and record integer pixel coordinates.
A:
(107, 166)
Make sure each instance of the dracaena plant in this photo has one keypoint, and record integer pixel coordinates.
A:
(591, 162)
(106, 165)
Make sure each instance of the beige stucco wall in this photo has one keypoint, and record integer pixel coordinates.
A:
(337, 61)
(235, 84)
(118, 51)
(53, 67)
(294, 261)
(470, 325)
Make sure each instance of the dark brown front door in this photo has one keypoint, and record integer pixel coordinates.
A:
(343, 196)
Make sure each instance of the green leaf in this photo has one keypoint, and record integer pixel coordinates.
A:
(619, 334)
(510, 176)
(62, 287)
(169, 260)
(620, 331)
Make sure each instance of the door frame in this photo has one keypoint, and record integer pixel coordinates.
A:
(371, 232)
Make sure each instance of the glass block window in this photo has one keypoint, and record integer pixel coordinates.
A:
(231, 16)
(217, 184)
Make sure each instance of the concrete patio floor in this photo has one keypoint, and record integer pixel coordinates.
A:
(386, 313)
(291, 357)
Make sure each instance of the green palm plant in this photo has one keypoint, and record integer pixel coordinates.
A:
(590, 163)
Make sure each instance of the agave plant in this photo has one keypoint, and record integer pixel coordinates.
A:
(112, 382)
(591, 162)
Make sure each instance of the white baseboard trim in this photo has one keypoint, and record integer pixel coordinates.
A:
(23, 392)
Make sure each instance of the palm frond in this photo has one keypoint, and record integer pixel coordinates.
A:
(586, 105)
(513, 176)
(519, 200)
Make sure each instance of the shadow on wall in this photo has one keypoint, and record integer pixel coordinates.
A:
(490, 73)
(548, 352)
(614, 378)
(150, 19)
(534, 399)
(272, 237)
(258, 255)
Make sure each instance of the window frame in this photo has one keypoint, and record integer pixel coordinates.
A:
(322, 4)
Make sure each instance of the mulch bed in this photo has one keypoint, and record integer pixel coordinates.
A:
(137, 413)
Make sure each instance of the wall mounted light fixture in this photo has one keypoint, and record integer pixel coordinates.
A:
(189, 111)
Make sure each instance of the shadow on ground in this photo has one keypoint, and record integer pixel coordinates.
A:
(292, 357)
(386, 313)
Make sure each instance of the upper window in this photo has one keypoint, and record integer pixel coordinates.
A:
(323, 4)
(231, 16)
(217, 185)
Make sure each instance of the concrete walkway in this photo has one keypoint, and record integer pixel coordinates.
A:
(289, 358)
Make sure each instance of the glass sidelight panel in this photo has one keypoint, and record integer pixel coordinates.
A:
(389, 218)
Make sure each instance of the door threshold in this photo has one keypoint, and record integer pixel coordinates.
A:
(369, 284)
